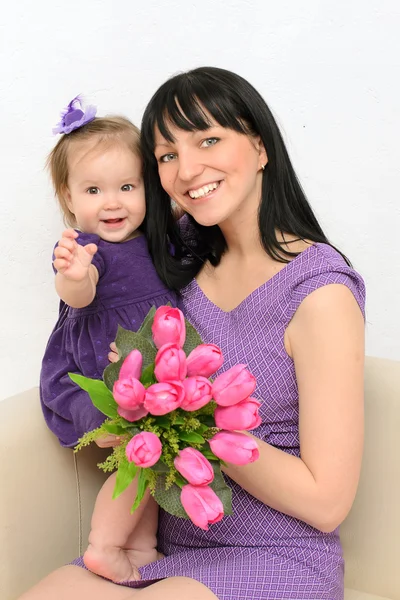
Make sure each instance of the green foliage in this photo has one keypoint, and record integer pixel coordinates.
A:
(125, 475)
(191, 437)
(223, 491)
(145, 328)
(126, 341)
(91, 436)
(114, 459)
(169, 500)
(143, 482)
(111, 373)
(192, 338)
(148, 377)
(176, 430)
(99, 394)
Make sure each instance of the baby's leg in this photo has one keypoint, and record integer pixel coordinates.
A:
(114, 543)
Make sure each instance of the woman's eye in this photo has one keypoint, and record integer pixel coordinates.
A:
(128, 187)
(167, 157)
(93, 190)
(209, 142)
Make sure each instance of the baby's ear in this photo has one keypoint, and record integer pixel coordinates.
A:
(66, 195)
(66, 204)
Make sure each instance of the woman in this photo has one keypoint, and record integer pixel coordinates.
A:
(259, 278)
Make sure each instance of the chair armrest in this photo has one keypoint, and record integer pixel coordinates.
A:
(46, 499)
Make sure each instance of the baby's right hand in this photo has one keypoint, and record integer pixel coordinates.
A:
(71, 259)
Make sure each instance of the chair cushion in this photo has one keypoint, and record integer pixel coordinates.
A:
(356, 595)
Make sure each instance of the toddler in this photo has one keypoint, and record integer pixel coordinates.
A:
(104, 277)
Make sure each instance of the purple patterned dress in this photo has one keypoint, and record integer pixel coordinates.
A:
(128, 287)
(259, 553)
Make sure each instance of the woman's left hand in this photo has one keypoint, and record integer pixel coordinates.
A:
(113, 355)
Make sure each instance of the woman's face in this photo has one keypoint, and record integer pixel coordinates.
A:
(213, 175)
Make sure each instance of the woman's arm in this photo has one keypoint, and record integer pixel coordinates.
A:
(326, 341)
(76, 277)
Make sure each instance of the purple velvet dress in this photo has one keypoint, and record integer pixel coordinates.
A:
(128, 287)
(259, 553)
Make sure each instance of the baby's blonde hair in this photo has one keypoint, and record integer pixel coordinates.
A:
(103, 129)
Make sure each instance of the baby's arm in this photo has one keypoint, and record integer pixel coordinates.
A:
(76, 277)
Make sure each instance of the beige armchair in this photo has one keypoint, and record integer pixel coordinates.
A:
(47, 495)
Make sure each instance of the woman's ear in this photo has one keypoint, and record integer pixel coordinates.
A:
(262, 153)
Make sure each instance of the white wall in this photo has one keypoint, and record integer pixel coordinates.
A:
(329, 69)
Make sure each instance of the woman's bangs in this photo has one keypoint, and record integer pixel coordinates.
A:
(194, 108)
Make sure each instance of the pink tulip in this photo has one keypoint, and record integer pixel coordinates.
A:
(170, 363)
(128, 393)
(204, 360)
(132, 366)
(162, 398)
(133, 415)
(233, 386)
(194, 467)
(144, 449)
(168, 327)
(198, 393)
(233, 447)
(243, 416)
(202, 505)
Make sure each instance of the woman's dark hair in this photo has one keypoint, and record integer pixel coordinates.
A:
(185, 101)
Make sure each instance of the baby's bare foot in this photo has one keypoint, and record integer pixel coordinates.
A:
(118, 564)
(110, 562)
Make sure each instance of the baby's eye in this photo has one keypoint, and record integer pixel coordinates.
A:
(209, 142)
(93, 190)
(167, 157)
(128, 187)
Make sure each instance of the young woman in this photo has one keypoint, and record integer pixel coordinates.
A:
(259, 278)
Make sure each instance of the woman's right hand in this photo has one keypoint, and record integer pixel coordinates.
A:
(113, 355)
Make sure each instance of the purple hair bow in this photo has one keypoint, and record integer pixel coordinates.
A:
(74, 116)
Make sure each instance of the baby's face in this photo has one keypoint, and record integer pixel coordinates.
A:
(105, 190)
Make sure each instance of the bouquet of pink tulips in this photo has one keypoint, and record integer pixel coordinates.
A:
(177, 426)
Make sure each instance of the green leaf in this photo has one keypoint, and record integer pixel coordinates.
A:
(169, 500)
(114, 428)
(111, 373)
(178, 420)
(143, 482)
(202, 429)
(145, 328)
(148, 377)
(132, 430)
(207, 420)
(222, 490)
(191, 437)
(208, 454)
(99, 394)
(163, 421)
(126, 341)
(192, 338)
(125, 475)
(160, 467)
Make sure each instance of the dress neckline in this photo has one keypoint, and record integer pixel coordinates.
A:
(274, 280)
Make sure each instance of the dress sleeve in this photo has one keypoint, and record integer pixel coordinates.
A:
(330, 273)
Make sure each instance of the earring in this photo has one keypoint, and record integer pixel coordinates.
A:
(263, 167)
